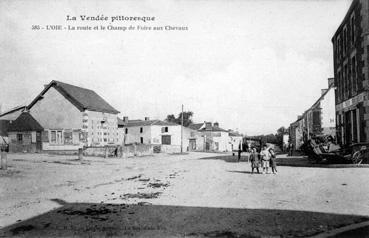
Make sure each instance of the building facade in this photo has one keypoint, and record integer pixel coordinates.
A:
(317, 120)
(170, 136)
(72, 117)
(215, 138)
(351, 72)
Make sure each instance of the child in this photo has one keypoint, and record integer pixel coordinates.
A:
(273, 162)
(265, 158)
(254, 158)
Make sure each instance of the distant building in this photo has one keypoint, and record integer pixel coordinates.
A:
(70, 116)
(317, 120)
(320, 118)
(7, 117)
(235, 140)
(25, 134)
(351, 72)
(216, 138)
(297, 133)
(163, 133)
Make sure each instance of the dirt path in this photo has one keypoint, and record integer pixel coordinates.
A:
(179, 195)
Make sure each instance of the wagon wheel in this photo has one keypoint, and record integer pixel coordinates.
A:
(357, 157)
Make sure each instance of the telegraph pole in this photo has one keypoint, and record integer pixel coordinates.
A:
(182, 130)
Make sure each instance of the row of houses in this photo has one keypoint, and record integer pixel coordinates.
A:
(317, 120)
(343, 111)
(65, 117)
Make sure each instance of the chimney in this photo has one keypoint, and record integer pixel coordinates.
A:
(208, 125)
(299, 117)
(330, 82)
(147, 118)
(125, 119)
(323, 91)
(216, 124)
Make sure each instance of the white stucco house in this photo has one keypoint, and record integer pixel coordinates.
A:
(166, 134)
(236, 140)
(216, 138)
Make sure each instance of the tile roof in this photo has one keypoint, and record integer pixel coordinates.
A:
(234, 133)
(82, 98)
(25, 122)
(196, 126)
(213, 128)
(12, 114)
(133, 123)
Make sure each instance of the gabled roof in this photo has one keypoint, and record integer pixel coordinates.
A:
(25, 122)
(202, 127)
(10, 114)
(82, 98)
(133, 123)
(213, 128)
(234, 133)
(196, 126)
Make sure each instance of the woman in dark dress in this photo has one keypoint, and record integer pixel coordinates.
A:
(255, 161)
(273, 162)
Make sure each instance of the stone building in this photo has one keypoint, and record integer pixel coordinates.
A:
(72, 117)
(351, 73)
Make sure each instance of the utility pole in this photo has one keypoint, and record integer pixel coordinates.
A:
(182, 130)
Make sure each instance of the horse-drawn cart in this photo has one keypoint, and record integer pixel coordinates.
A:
(329, 153)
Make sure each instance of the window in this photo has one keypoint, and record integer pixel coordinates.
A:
(353, 29)
(105, 139)
(344, 41)
(56, 137)
(68, 137)
(339, 86)
(53, 137)
(19, 137)
(166, 139)
(141, 129)
(126, 130)
(344, 78)
(142, 140)
(338, 47)
(354, 75)
(164, 129)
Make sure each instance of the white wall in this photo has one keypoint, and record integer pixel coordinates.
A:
(328, 110)
(235, 142)
(134, 135)
(101, 133)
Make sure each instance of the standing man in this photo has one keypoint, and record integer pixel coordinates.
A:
(239, 153)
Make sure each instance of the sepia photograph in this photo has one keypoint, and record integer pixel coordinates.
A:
(174, 118)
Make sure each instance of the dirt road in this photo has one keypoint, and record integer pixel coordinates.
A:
(175, 196)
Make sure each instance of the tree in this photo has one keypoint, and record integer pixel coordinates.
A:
(187, 118)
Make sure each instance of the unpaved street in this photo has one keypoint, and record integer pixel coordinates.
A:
(191, 195)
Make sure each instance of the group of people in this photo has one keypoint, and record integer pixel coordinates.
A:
(264, 159)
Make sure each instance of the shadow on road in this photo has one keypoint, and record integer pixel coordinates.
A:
(227, 158)
(245, 172)
(146, 220)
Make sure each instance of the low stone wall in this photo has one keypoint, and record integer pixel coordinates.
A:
(119, 151)
(16, 148)
(171, 148)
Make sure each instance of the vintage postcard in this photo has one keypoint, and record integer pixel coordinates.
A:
(176, 118)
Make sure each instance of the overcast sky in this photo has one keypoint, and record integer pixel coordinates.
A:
(250, 65)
